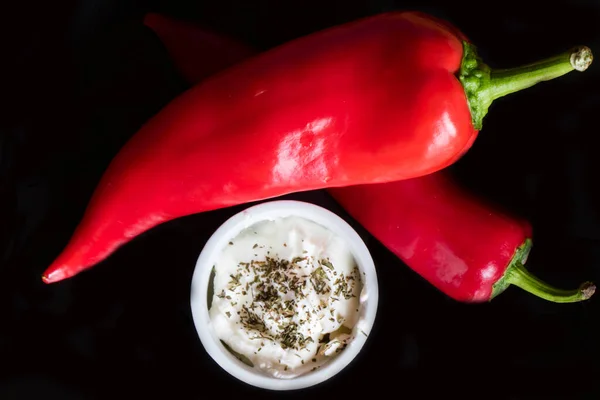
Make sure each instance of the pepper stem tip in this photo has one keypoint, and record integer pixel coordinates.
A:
(581, 58)
(587, 290)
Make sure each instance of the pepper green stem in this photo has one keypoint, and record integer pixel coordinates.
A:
(483, 85)
(516, 274)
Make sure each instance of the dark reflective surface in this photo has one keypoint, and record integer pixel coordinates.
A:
(81, 77)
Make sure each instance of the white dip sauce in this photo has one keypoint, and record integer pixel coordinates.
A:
(286, 295)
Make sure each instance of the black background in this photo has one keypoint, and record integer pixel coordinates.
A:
(82, 76)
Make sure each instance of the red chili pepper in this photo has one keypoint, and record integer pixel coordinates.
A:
(458, 242)
(386, 98)
(432, 224)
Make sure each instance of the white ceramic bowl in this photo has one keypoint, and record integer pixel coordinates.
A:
(220, 239)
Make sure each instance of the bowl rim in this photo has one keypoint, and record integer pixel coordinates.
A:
(221, 237)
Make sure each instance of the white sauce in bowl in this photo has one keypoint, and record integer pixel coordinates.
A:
(286, 296)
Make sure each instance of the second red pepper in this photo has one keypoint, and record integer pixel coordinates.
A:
(463, 245)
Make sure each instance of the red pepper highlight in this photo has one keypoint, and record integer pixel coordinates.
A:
(461, 243)
(385, 98)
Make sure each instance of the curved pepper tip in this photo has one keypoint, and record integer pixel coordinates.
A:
(52, 276)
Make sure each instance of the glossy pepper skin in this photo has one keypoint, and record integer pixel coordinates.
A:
(298, 117)
(464, 245)
(372, 101)
(457, 242)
